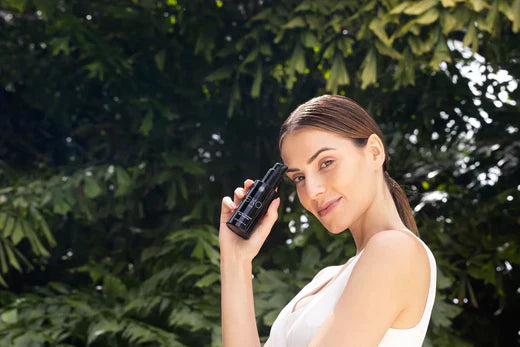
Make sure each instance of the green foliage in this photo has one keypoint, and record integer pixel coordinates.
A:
(124, 124)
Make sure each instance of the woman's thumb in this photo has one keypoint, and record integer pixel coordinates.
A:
(263, 230)
(272, 214)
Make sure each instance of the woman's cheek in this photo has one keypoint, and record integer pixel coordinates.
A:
(337, 175)
(343, 181)
(303, 198)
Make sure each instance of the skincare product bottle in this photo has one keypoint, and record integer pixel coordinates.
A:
(255, 203)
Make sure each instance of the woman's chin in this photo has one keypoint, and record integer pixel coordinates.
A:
(332, 226)
(336, 229)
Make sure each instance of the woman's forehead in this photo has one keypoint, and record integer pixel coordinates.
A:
(303, 143)
(309, 135)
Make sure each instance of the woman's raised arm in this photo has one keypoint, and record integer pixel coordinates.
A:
(238, 312)
(236, 274)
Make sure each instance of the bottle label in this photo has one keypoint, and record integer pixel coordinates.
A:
(253, 202)
(241, 214)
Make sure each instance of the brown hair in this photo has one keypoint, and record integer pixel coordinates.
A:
(344, 116)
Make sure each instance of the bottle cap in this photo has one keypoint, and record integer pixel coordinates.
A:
(274, 176)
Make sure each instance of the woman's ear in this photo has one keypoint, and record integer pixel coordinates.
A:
(375, 150)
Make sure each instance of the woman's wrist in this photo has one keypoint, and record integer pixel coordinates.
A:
(234, 261)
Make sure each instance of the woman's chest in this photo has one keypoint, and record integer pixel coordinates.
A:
(326, 280)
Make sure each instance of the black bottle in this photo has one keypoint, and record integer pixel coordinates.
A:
(255, 203)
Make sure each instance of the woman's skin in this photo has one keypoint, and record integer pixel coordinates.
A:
(352, 174)
(354, 178)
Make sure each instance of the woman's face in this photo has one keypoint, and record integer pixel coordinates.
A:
(329, 170)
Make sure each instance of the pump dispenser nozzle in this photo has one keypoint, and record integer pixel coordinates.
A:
(254, 205)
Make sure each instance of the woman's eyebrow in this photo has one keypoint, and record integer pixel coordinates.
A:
(313, 157)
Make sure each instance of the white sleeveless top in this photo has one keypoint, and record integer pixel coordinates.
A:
(296, 329)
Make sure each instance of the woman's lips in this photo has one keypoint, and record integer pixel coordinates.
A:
(325, 211)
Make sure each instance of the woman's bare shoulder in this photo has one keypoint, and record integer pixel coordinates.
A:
(398, 240)
(402, 249)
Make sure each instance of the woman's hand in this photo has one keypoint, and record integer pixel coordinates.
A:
(233, 246)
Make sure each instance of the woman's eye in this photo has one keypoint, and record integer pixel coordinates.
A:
(326, 161)
(295, 180)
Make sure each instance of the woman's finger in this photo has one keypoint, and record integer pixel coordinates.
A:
(226, 209)
(240, 192)
(238, 195)
(248, 184)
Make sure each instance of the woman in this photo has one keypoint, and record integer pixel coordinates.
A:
(382, 296)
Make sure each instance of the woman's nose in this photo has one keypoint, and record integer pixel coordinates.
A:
(315, 187)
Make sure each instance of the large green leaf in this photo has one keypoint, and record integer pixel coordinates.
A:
(338, 74)
(369, 69)
(92, 188)
(420, 7)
